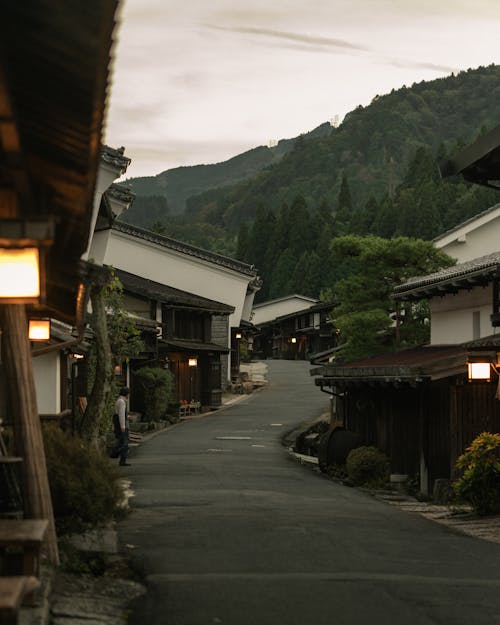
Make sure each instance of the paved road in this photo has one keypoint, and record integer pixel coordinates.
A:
(230, 530)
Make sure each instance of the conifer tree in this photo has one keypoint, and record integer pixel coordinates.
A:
(243, 242)
(343, 213)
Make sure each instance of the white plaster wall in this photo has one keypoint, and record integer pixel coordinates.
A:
(47, 374)
(483, 239)
(97, 251)
(270, 310)
(178, 270)
(106, 175)
(452, 316)
(246, 314)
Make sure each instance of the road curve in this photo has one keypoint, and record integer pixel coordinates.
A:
(226, 528)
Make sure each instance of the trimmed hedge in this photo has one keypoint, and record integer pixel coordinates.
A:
(367, 466)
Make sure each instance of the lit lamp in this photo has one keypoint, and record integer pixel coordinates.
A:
(39, 329)
(192, 362)
(22, 252)
(238, 335)
(294, 340)
(479, 371)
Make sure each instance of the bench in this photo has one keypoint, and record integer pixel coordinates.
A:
(24, 536)
(13, 590)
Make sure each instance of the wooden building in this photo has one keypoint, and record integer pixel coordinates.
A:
(293, 327)
(53, 83)
(183, 332)
(418, 405)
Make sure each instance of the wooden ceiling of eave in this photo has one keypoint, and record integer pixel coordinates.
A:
(55, 58)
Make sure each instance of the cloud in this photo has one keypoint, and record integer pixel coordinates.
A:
(292, 37)
(433, 67)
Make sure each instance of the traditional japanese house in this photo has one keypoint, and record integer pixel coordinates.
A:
(293, 327)
(184, 267)
(53, 82)
(183, 332)
(418, 405)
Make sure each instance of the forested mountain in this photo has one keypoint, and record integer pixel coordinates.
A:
(375, 174)
(175, 186)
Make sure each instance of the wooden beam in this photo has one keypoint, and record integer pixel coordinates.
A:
(26, 422)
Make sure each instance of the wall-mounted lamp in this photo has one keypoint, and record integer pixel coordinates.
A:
(192, 362)
(77, 356)
(39, 329)
(294, 340)
(479, 371)
(118, 369)
(237, 335)
(22, 256)
(479, 366)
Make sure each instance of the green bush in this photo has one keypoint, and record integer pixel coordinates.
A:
(367, 466)
(157, 391)
(83, 483)
(479, 484)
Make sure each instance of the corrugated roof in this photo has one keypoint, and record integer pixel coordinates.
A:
(410, 366)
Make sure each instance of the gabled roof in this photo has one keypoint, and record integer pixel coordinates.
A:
(478, 162)
(286, 298)
(185, 248)
(477, 272)
(168, 295)
(467, 226)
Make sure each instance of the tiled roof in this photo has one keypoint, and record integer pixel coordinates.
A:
(168, 295)
(120, 192)
(476, 271)
(115, 157)
(186, 248)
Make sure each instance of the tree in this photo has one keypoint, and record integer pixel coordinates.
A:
(377, 266)
(115, 340)
(242, 247)
(281, 281)
(343, 213)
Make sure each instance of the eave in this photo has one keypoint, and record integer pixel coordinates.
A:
(478, 162)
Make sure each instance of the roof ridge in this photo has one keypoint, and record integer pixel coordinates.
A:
(186, 248)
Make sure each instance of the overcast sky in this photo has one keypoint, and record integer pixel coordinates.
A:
(199, 81)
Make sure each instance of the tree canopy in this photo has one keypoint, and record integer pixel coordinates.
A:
(363, 316)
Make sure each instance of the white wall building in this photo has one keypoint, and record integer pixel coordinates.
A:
(287, 305)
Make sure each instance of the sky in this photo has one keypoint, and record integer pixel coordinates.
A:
(200, 81)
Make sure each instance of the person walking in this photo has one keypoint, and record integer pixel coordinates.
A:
(120, 423)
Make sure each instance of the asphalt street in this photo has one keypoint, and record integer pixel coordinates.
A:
(226, 528)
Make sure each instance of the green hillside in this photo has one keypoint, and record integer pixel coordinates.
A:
(177, 185)
(372, 147)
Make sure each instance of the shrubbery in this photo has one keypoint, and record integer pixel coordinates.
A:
(480, 482)
(157, 391)
(83, 483)
(367, 466)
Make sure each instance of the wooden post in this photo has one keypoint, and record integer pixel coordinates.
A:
(27, 428)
